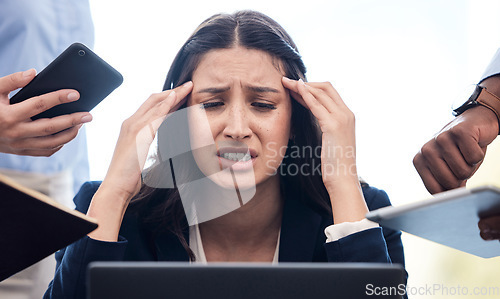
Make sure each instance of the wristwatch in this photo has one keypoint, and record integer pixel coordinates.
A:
(482, 97)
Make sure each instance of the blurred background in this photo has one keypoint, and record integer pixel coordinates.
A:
(399, 66)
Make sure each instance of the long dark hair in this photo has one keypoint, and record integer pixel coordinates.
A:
(161, 209)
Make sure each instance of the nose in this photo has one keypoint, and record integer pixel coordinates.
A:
(237, 123)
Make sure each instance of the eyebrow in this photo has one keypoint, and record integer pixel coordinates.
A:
(213, 90)
(262, 89)
(256, 89)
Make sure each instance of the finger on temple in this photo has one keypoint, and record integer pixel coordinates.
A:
(291, 85)
(318, 109)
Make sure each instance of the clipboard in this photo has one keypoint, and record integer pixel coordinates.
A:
(33, 226)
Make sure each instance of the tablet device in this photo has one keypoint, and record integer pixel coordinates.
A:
(243, 280)
(449, 218)
(76, 68)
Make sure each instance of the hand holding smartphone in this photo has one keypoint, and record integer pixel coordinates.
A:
(76, 68)
(34, 122)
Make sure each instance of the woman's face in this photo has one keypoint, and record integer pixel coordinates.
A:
(248, 112)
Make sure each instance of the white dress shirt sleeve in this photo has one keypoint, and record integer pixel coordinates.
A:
(337, 231)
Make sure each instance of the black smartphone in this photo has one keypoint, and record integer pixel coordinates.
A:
(76, 68)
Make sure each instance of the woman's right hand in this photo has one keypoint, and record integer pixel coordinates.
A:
(136, 135)
(123, 179)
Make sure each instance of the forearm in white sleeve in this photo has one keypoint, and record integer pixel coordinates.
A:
(337, 231)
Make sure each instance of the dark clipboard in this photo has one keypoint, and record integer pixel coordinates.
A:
(33, 226)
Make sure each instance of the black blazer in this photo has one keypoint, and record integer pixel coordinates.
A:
(302, 239)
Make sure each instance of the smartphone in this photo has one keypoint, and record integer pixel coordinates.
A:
(76, 68)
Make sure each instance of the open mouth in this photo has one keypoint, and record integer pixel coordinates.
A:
(236, 154)
(238, 158)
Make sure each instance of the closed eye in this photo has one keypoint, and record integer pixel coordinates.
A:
(264, 106)
(209, 105)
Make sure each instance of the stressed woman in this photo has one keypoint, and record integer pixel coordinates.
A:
(253, 164)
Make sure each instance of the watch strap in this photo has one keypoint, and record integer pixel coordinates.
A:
(490, 101)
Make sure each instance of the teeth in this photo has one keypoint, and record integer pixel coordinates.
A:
(237, 156)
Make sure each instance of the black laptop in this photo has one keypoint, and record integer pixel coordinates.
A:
(244, 280)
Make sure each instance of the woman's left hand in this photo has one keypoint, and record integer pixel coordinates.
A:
(338, 152)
